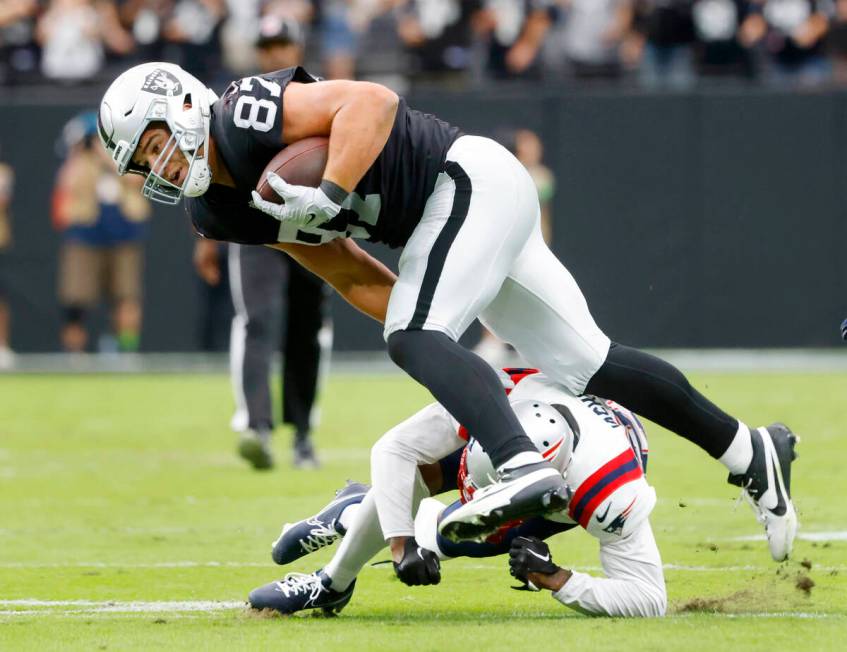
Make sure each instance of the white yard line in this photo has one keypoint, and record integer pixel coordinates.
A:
(106, 606)
(88, 608)
(837, 535)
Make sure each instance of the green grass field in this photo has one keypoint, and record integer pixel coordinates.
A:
(127, 522)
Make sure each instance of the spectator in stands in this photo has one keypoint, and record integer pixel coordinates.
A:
(339, 40)
(262, 281)
(74, 35)
(516, 31)
(18, 50)
(723, 47)
(102, 220)
(6, 183)
(439, 34)
(588, 38)
(185, 30)
(667, 59)
(194, 28)
(793, 33)
(837, 42)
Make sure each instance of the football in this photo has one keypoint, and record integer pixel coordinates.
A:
(301, 163)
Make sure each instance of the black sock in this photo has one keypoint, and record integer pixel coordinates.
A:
(466, 386)
(660, 392)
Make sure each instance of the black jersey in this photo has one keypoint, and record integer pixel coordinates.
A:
(385, 206)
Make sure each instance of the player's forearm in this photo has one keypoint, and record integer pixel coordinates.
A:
(602, 596)
(398, 486)
(358, 133)
(371, 299)
(634, 585)
(363, 281)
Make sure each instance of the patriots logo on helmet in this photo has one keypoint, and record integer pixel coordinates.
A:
(161, 82)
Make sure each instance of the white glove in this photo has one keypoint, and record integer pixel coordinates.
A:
(301, 205)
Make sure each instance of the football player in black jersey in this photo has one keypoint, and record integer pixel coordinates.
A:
(466, 213)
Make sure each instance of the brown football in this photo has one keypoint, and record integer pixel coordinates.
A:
(301, 163)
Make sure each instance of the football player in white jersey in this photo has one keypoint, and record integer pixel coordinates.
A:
(600, 448)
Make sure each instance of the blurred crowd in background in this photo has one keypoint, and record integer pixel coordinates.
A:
(651, 43)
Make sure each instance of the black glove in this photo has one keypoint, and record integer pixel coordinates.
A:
(530, 555)
(419, 566)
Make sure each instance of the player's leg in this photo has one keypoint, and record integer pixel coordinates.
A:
(322, 529)
(541, 310)
(127, 267)
(308, 338)
(78, 292)
(256, 284)
(451, 268)
(330, 588)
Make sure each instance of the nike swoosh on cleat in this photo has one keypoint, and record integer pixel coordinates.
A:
(605, 514)
(536, 555)
(779, 510)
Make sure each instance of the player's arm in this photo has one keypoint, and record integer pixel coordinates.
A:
(363, 281)
(634, 585)
(398, 486)
(356, 116)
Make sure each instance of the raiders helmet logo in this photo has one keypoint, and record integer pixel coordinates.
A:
(161, 82)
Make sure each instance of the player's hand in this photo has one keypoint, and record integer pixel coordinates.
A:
(530, 555)
(419, 566)
(301, 205)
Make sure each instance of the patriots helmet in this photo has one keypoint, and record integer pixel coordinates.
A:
(544, 425)
(159, 92)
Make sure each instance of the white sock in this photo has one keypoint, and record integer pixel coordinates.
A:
(738, 456)
(521, 459)
(362, 541)
(347, 516)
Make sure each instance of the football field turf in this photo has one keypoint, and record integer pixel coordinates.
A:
(127, 522)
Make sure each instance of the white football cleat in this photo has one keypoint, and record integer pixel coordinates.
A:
(524, 491)
(767, 486)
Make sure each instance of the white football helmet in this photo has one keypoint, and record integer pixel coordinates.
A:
(544, 425)
(163, 92)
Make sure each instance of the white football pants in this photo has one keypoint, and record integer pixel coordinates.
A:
(478, 252)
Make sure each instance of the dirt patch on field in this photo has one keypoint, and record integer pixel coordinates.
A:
(725, 604)
(805, 584)
(263, 614)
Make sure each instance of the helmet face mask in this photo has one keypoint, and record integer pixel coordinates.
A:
(159, 92)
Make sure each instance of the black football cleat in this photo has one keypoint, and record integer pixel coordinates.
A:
(255, 447)
(318, 531)
(767, 486)
(300, 592)
(530, 490)
(304, 453)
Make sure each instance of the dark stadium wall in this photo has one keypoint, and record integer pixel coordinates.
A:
(695, 220)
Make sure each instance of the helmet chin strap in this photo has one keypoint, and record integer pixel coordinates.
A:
(199, 178)
(199, 173)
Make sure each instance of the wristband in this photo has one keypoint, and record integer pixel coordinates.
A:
(335, 193)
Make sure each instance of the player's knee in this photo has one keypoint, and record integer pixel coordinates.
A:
(398, 345)
(406, 348)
